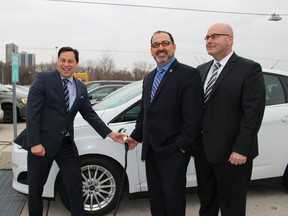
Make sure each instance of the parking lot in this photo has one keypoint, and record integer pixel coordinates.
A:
(261, 200)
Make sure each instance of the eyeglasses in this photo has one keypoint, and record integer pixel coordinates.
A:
(163, 43)
(214, 36)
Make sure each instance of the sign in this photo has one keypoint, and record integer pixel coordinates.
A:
(15, 68)
(83, 77)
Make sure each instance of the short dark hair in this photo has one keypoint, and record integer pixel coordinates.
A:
(160, 31)
(67, 49)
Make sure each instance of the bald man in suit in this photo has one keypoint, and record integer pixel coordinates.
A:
(234, 98)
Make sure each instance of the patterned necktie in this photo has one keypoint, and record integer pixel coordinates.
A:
(66, 93)
(212, 81)
(156, 83)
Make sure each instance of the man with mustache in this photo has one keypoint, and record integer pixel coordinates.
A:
(168, 125)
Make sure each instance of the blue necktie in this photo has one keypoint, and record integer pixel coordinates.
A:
(156, 83)
(66, 93)
(212, 81)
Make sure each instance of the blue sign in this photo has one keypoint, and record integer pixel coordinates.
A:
(15, 68)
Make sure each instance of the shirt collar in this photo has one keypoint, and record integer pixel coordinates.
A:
(165, 67)
(224, 60)
(70, 79)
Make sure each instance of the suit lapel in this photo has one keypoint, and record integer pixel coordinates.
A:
(59, 89)
(148, 84)
(226, 70)
(205, 70)
(163, 81)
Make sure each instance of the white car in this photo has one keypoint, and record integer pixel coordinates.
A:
(103, 161)
(1, 113)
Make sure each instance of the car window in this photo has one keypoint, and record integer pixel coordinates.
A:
(120, 96)
(128, 115)
(274, 90)
(101, 93)
(92, 85)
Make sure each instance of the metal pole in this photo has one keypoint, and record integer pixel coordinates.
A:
(14, 110)
(2, 73)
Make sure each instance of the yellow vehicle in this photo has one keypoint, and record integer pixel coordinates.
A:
(83, 77)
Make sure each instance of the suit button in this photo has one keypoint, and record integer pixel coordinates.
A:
(63, 132)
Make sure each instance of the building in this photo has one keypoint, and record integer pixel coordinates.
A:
(10, 48)
(26, 59)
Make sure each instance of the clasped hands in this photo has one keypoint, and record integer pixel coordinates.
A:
(123, 138)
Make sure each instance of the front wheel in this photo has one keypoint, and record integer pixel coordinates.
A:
(101, 181)
(8, 113)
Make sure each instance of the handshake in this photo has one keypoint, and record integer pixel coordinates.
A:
(122, 137)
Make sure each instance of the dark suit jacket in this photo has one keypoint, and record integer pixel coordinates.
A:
(173, 119)
(234, 110)
(46, 117)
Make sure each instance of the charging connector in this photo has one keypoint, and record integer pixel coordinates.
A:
(122, 130)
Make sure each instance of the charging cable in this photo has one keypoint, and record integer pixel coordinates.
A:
(122, 130)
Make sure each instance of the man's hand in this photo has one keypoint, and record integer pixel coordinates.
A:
(131, 143)
(38, 150)
(117, 137)
(237, 159)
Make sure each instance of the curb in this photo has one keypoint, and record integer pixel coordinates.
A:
(5, 156)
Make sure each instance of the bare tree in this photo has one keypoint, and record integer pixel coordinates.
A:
(122, 75)
(89, 67)
(106, 65)
(26, 75)
(45, 66)
(141, 69)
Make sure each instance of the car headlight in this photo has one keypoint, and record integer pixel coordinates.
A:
(24, 100)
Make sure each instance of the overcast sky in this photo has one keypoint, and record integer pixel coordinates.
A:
(124, 32)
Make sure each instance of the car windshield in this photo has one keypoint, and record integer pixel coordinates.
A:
(4, 88)
(120, 96)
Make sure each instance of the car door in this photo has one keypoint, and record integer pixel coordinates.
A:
(273, 134)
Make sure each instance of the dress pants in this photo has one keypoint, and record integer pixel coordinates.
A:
(166, 178)
(222, 186)
(38, 170)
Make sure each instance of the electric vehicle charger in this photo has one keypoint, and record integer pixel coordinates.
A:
(122, 130)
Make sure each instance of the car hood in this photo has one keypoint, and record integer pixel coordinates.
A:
(106, 116)
(81, 122)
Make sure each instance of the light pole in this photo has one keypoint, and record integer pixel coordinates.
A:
(56, 56)
(275, 17)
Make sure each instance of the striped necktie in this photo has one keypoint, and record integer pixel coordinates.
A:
(156, 83)
(66, 93)
(212, 81)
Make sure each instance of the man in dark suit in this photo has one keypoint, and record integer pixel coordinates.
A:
(234, 101)
(169, 126)
(49, 134)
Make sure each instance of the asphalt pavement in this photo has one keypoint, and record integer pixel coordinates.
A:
(261, 200)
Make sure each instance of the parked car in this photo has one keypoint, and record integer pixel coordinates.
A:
(6, 100)
(1, 113)
(98, 93)
(19, 88)
(102, 161)
(93, 84)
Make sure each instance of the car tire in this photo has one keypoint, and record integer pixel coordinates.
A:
(101, 178)
(8, 113)
(285, 178)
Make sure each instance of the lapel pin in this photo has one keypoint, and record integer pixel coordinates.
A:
(171, 70)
